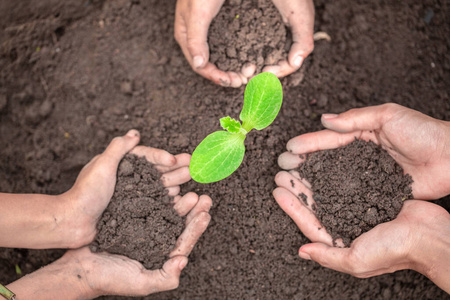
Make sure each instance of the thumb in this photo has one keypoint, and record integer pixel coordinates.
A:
(120, 146)
(168, 277)
(329, 257)
(367, 118)
(197, 45)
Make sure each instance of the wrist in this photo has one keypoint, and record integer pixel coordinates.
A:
(62, 279)
(78, 230)
(429, 255)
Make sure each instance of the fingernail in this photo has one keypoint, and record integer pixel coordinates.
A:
(298, 61)
(133, 133)
(198, 61)
(304, 255)
(329, 116)
(183, 264)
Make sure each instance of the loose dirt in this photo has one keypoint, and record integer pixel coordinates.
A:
(247, 32)
(355, 188)
(140, 221)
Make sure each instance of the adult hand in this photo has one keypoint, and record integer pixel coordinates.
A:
(192, 20)
(298, 15)
(94, 187)
(417, 239)
(81, 274)
(418, 143)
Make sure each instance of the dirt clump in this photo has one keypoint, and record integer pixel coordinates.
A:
(247, 31)
(355, 188)
(140, 221)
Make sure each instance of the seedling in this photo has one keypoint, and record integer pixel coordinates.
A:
(222, 152)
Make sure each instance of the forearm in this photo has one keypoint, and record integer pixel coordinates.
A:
(35, 221)
(62, 279)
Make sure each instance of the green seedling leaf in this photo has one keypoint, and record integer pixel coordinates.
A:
(217, 156)
(231, 125)
(262, 101)
(222, 152)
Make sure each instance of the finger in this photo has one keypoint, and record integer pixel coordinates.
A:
(329, 257)
(305, 182)
(173, 190)
(120, 146)
(203, 205)
(184, 204)
(367, 118)
(167, 278)
(288, 160)
(248, 69)
(302, 216)
(236, 80)
(217, 76)
(191, 234)
(155, 156)
(182, 160)
(176, 177)
(298, 189)
(325, 139)
(283, 68)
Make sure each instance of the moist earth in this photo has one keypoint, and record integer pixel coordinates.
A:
(355, 188)
(62, 99)
(247, 31)
(140, 221)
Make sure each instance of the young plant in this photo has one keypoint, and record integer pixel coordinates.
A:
(222, 152)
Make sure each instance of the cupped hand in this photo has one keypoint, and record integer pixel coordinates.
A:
(109, 274)
(192, 20)
(418, 143)
(411, 241)
(298, 15)
(94, 187)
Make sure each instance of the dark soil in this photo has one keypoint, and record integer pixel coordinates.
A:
(140, 221)
(247, 31)
(380, 51)
(355, 188)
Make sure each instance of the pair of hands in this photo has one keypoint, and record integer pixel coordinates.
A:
(417, 238)
(192, 20)
(99, 274)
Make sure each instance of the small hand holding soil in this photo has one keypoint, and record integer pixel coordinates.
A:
(142, 221)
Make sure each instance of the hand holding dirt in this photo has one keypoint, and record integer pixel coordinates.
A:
(417, 238)
(83, 274)
(192, 21)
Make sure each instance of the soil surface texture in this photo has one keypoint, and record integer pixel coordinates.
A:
(355, 188)
(247, 31)
(74, 74)
(140, 221)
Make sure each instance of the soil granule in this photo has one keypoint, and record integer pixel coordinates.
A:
(140, 221)
(247, 31)
(356, 187)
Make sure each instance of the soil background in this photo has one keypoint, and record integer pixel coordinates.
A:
(75, 74)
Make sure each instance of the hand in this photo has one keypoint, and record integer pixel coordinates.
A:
(418, 143)
(298, 15)
(81, 274)
(192, 20)
(417, 239)
(95, 184)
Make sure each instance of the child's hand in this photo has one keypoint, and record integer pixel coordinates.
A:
(95, 184)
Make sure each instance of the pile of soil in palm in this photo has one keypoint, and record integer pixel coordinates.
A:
(247, 31)
(355, 187)
(140, 221)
